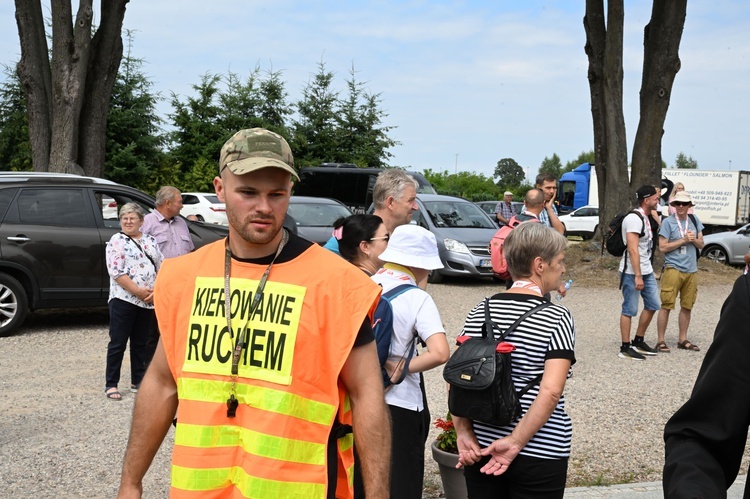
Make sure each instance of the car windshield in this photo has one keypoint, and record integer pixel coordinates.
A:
(316, 214)
(458, 214)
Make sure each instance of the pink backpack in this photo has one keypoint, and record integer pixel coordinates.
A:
(497, 256)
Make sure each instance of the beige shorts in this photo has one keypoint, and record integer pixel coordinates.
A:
(672, 282)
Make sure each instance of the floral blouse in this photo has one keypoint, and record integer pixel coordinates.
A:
(124, 257)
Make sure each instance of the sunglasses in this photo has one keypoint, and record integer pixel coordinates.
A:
(678, 203)
(386, 237)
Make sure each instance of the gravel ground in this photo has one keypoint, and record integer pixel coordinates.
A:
(60, 437)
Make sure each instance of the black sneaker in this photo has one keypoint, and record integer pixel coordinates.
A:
(630, 353)
(642, 348)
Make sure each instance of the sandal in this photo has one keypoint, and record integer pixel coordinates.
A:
(112, 393)
(134, 388)
(662, 347)
(686, 345)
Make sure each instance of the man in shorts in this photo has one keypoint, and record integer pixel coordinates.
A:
(637, 275)
(680, 238)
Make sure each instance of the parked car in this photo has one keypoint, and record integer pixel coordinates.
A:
(109, 207)
(582, 222)
(205, 206)
(728, 247)
(463, 232)
(314, 217)
(53, 234)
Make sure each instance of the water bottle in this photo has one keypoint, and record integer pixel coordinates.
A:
(567, 285)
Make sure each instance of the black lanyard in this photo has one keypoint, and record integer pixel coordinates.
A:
(142, 250)
(232, 402)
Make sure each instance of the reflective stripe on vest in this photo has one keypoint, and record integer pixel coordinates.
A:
(267, 399)
(207, 479)
(252, 442)
(345, 473)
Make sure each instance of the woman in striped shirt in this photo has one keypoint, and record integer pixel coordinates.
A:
(529, 457)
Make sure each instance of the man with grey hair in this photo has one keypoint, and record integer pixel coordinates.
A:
(504, 209)
(169, 230)
(395, 198)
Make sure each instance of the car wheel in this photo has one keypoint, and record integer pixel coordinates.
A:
(200, 218)
(715, 253)
(13, 304)
(435, 277)
(565, 230)
(593, 234)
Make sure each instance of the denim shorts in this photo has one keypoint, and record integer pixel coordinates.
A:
(649, 293)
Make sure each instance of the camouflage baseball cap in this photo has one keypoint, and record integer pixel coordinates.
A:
(255, 148)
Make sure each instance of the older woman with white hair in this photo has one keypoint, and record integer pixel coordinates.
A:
(133, 259)
(529, 456)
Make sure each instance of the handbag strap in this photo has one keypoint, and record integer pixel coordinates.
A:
(490, 326)
(142, 250)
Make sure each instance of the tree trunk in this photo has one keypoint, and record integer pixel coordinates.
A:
(70, 51)
(104, 60)
(68, 98)
(34, 73)
(604, 51)
(661, 62)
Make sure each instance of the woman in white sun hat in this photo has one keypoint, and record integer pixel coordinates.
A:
(411, 254)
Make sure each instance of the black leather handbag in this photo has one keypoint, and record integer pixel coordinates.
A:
(479, 374)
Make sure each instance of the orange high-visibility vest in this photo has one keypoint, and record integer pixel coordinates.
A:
(288, 387)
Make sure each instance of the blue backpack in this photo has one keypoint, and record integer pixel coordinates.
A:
(382, 326)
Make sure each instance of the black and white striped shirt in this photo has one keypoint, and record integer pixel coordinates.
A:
(547, 334)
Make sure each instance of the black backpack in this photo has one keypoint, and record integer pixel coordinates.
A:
(479, 374)
(614, 241)
(695, 222)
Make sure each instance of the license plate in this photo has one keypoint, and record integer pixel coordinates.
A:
(485, 264)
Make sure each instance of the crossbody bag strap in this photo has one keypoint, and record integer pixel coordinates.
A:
(513, 326)
(142, 250)
(406, 357)
(534, 381)
(489, 325)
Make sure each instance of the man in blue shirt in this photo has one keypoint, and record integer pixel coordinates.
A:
(680, 238)
(547, 183)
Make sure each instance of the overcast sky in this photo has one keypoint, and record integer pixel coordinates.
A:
(466, 83)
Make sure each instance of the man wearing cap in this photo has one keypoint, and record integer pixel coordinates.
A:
(680, 239)
(637, 275)
(270, 372)
(411, 253)
(504, 209)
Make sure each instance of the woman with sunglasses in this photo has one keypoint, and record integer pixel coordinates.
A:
(362, 238)
(678, 187)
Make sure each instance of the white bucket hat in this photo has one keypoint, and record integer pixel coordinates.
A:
(412, 246)
(682, 197)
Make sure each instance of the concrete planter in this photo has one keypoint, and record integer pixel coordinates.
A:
(454, 485)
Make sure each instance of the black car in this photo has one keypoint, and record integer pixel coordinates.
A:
(346, 183)
(314, 217)
(53, 235)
